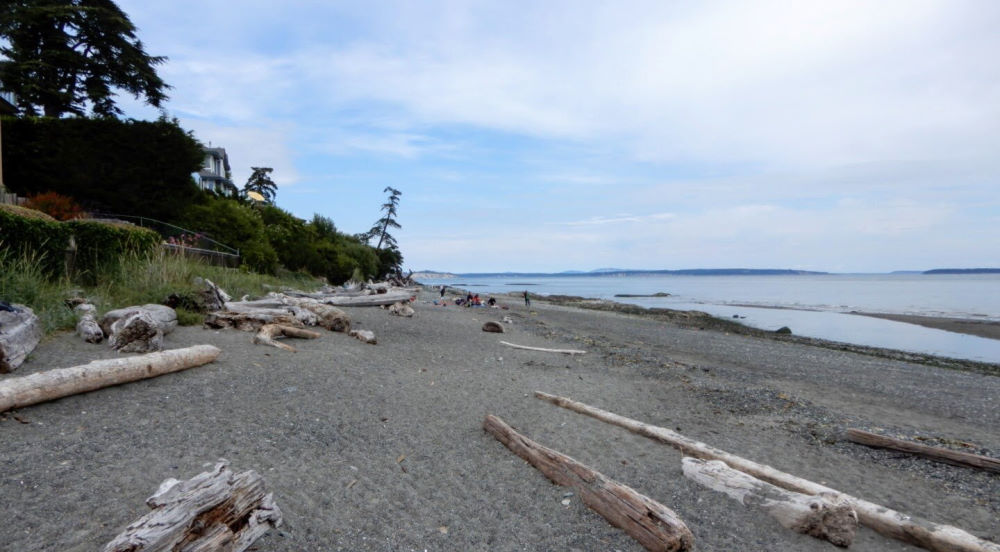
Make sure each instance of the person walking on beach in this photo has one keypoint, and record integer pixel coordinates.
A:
(442, 292)
(527, 300)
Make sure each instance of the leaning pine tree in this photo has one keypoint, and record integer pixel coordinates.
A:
(390, 258)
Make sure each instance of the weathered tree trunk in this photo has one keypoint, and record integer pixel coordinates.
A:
(268, 333)
(62, 382)
(137, 332)
(86, 326)
(249, 321)
(164, 317)
(367, 336)
(215, 511)
(20, 332)
(544, 350)
(934, 453)
(821, 516)
(328, 316)
(654, 525)
(367, 300)
(916, 531)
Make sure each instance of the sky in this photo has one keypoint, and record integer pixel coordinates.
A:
(842, 136)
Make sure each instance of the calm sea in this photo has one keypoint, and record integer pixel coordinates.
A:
(811, 305)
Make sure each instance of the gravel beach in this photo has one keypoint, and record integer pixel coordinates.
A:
(380, 447)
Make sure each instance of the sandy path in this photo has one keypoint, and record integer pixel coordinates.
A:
(326, 426)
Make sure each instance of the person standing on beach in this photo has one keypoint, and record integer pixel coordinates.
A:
(442, 292)
(527, 300)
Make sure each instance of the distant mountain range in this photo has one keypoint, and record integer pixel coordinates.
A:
(963, 271)
(435, 274)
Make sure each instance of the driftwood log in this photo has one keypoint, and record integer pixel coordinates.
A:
(86, 325)
(327, 316)
(822, 516)
(213, 511)
(367, 336)
(400, 308)
(897, 525)
(544, 350)
(62, 382)
(163, 316)
(249, 321)
(20, 332)
(939, 454)
(268, 333)
(376, 300)
(654, 525)
(137, 332)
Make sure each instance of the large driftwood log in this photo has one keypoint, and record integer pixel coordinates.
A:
(136, 332)
(367, 300)
(939, 454)
(822, 516)
(544, 350)
(20, 332)
(215, 511)
(328, 316)
(897, 525)
(654, 525)
(163, 316)
(249, 321)
(62, 382)
(268, 333)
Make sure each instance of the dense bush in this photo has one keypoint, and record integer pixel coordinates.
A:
(28, 235)
(99, 244)
(123, 167)
(58, 206)
(236, 225)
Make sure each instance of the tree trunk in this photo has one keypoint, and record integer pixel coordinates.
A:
(249, 321)
(164, 317)
(20, 332)
(62, 382)
(328, 316)
(268, 332)
(544, 350)
(934, 453)
(916, 531)
(367, 300)
(215, 511)
(655, 526)
(823, 517)
(137, 332)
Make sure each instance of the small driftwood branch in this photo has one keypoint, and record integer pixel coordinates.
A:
(822, 516)
(893, 524)
(367, 336)
(268, 333)
(939, 454)
(654, 525)
(62, 382)
(213, 511)
(544, 350)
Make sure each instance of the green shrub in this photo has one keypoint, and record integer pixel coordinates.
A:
(44, 241)
(236, 225)
(100, 245)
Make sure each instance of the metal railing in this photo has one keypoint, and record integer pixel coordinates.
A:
(181, 240)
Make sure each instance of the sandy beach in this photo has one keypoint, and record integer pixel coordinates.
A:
(381, 448)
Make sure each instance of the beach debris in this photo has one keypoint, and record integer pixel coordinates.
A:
(375, 300)
(214, 510)
(20, 332)
(367, 336)
(827, 517)
(784, 330)
(268, 332)
(86, 325)
(893, 524)
(493, 327)
(249, 321)
(654, 525)
(136, 332)
(327, 316)
(401, 309)
(62, 382)
(164, 317)
(507, 320)
(938, 454)
(544, 350)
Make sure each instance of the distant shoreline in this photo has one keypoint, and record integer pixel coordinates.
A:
(982, 328)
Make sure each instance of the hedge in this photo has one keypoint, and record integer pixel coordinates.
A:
(100, 243)
(31, 235)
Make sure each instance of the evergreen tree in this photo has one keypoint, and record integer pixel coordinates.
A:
(381, 227)
(260, 182)
(65, 55)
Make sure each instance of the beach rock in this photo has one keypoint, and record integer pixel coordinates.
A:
(784, 330)
(493, 327)
(20, 332)
(367, 336)
(401, 309)
(137, 332)
(163, 316)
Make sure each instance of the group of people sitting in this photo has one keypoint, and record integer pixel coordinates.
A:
(470, 300)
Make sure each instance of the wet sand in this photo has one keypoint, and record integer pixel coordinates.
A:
(971, 326)
(381, 447)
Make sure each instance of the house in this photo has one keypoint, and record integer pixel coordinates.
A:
(214, 175)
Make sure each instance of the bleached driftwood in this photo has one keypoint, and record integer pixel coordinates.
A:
(401, 309)
(164, 317)
(822, 516)
(214, 511)
(934, 453)
(367, 300)
(544, 350)
(20, 332)
(367, 336)
(62, 382)
(136, 332)
(268, 333)
(327, 316)
(86, 326)
(211, 297)
(652, 524)
(249, 321)
(897, 525)
(492, 327)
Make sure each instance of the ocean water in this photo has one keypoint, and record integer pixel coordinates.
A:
(811, 305)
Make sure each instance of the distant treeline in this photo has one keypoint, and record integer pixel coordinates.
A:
(963, 271)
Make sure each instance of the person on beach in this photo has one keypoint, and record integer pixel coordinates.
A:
(442, 292)
(527, 300)
(491, 302)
